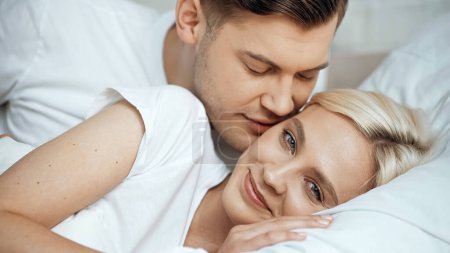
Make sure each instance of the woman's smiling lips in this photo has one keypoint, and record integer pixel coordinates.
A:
(252, 192)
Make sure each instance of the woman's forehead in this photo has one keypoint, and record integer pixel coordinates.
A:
(335, 147)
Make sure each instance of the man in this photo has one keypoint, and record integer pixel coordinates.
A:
(252, 63)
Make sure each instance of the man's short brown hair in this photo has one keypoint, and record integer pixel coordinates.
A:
(308, 13)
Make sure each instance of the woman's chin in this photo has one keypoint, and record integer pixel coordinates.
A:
(238, 211)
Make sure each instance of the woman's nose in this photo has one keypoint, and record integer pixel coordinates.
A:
(276, 177)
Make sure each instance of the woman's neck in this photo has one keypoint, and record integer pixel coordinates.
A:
(210, 225)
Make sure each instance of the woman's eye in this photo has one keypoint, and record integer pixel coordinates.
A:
(289, 141)
(314, 189)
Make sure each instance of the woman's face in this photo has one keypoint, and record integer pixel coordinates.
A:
(310, 162)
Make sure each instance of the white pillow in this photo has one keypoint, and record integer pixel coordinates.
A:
(411, 213)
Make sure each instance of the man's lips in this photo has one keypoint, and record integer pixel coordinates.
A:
(253, 193)
(259, 125)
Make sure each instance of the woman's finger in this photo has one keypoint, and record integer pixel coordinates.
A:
(280, 224)
(272, 237)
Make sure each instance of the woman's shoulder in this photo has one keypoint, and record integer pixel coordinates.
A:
(179, 96)
(163, 98)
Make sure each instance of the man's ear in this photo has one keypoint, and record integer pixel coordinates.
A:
(189, 20)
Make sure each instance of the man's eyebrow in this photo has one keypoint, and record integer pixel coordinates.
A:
(320, 67)
(265, 60)
(260, 58)
(325, 183)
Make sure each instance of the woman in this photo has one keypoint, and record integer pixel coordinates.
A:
(141, 175)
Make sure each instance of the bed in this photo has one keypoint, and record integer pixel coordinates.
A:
(410, 214)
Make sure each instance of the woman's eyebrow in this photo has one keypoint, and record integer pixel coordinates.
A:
(299, 129)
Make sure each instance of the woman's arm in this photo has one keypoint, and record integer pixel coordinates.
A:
(65, 175)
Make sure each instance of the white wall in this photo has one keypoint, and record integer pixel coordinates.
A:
(371, 29)
(379, 25)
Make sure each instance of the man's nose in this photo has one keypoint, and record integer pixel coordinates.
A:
(278, 97)
(276, 177)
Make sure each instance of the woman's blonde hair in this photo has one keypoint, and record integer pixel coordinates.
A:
(397, 133)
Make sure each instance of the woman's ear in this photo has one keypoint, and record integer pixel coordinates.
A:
(189, 20)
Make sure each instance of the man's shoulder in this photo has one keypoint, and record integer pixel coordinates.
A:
(100, 6)
(134, 12)
(56, 15)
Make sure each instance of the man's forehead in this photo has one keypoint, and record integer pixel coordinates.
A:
(280, 41)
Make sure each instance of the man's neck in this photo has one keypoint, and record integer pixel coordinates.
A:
(211, 224)
(178, 61)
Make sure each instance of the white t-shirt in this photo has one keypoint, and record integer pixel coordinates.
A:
(57, 56)
(152, 209)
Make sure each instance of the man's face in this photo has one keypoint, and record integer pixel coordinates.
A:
(255, 73)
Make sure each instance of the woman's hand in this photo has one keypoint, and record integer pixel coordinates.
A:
(250, 237)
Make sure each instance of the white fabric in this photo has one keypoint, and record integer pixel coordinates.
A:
(409, 214)
(15, 151)
(151, 210)
(56, 56)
